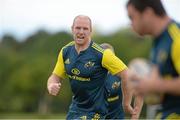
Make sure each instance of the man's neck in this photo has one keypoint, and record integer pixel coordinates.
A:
(80, 48)
(159, 25)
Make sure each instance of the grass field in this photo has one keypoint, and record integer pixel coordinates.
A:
(32, 116)
(25, 116)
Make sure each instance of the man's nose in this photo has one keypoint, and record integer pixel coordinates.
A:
(81, 30)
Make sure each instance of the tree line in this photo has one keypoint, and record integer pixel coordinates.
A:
(26, 65)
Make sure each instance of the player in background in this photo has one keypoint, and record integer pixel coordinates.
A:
(149, 17)
(114, 94)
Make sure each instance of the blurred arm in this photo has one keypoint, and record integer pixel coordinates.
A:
(171, 86)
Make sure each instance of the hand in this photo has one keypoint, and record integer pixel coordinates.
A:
(53, 88)
(138, 104)
(128, 109)
(135, 114)
(147, 84)
(134, 117)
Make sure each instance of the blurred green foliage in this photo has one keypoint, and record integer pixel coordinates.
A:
(25, 67)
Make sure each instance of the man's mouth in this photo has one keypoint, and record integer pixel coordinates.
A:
(80, 37)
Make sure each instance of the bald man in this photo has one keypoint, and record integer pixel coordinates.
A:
(86, 65)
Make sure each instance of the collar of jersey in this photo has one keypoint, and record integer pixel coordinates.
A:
(86, 49)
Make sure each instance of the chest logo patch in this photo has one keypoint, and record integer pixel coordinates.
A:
(89, 64)
(75, 71)
(116, 85)
(67, 61)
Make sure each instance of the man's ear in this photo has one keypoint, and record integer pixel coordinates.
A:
(91, 29)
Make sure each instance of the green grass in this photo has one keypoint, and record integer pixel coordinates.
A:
(32, 116)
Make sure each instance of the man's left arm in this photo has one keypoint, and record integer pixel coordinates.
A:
(117, 67)
(138, 104)
(157, 84)
(128, 93)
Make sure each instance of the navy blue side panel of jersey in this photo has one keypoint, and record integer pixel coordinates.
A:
(113, 89)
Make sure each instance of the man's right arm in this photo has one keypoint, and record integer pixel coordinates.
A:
(53, 84)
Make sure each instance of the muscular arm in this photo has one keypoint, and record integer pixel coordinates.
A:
(53, 79)
(53, 84)
(126, 91)
(128, 94)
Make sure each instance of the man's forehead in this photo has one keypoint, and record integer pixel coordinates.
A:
(81, 19)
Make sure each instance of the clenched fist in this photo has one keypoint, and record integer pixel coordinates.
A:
(53, 88)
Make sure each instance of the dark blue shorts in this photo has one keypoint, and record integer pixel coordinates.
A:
(76, 115)
(116, 114)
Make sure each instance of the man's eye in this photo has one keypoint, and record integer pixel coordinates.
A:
(85, 28)
(78, 28)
